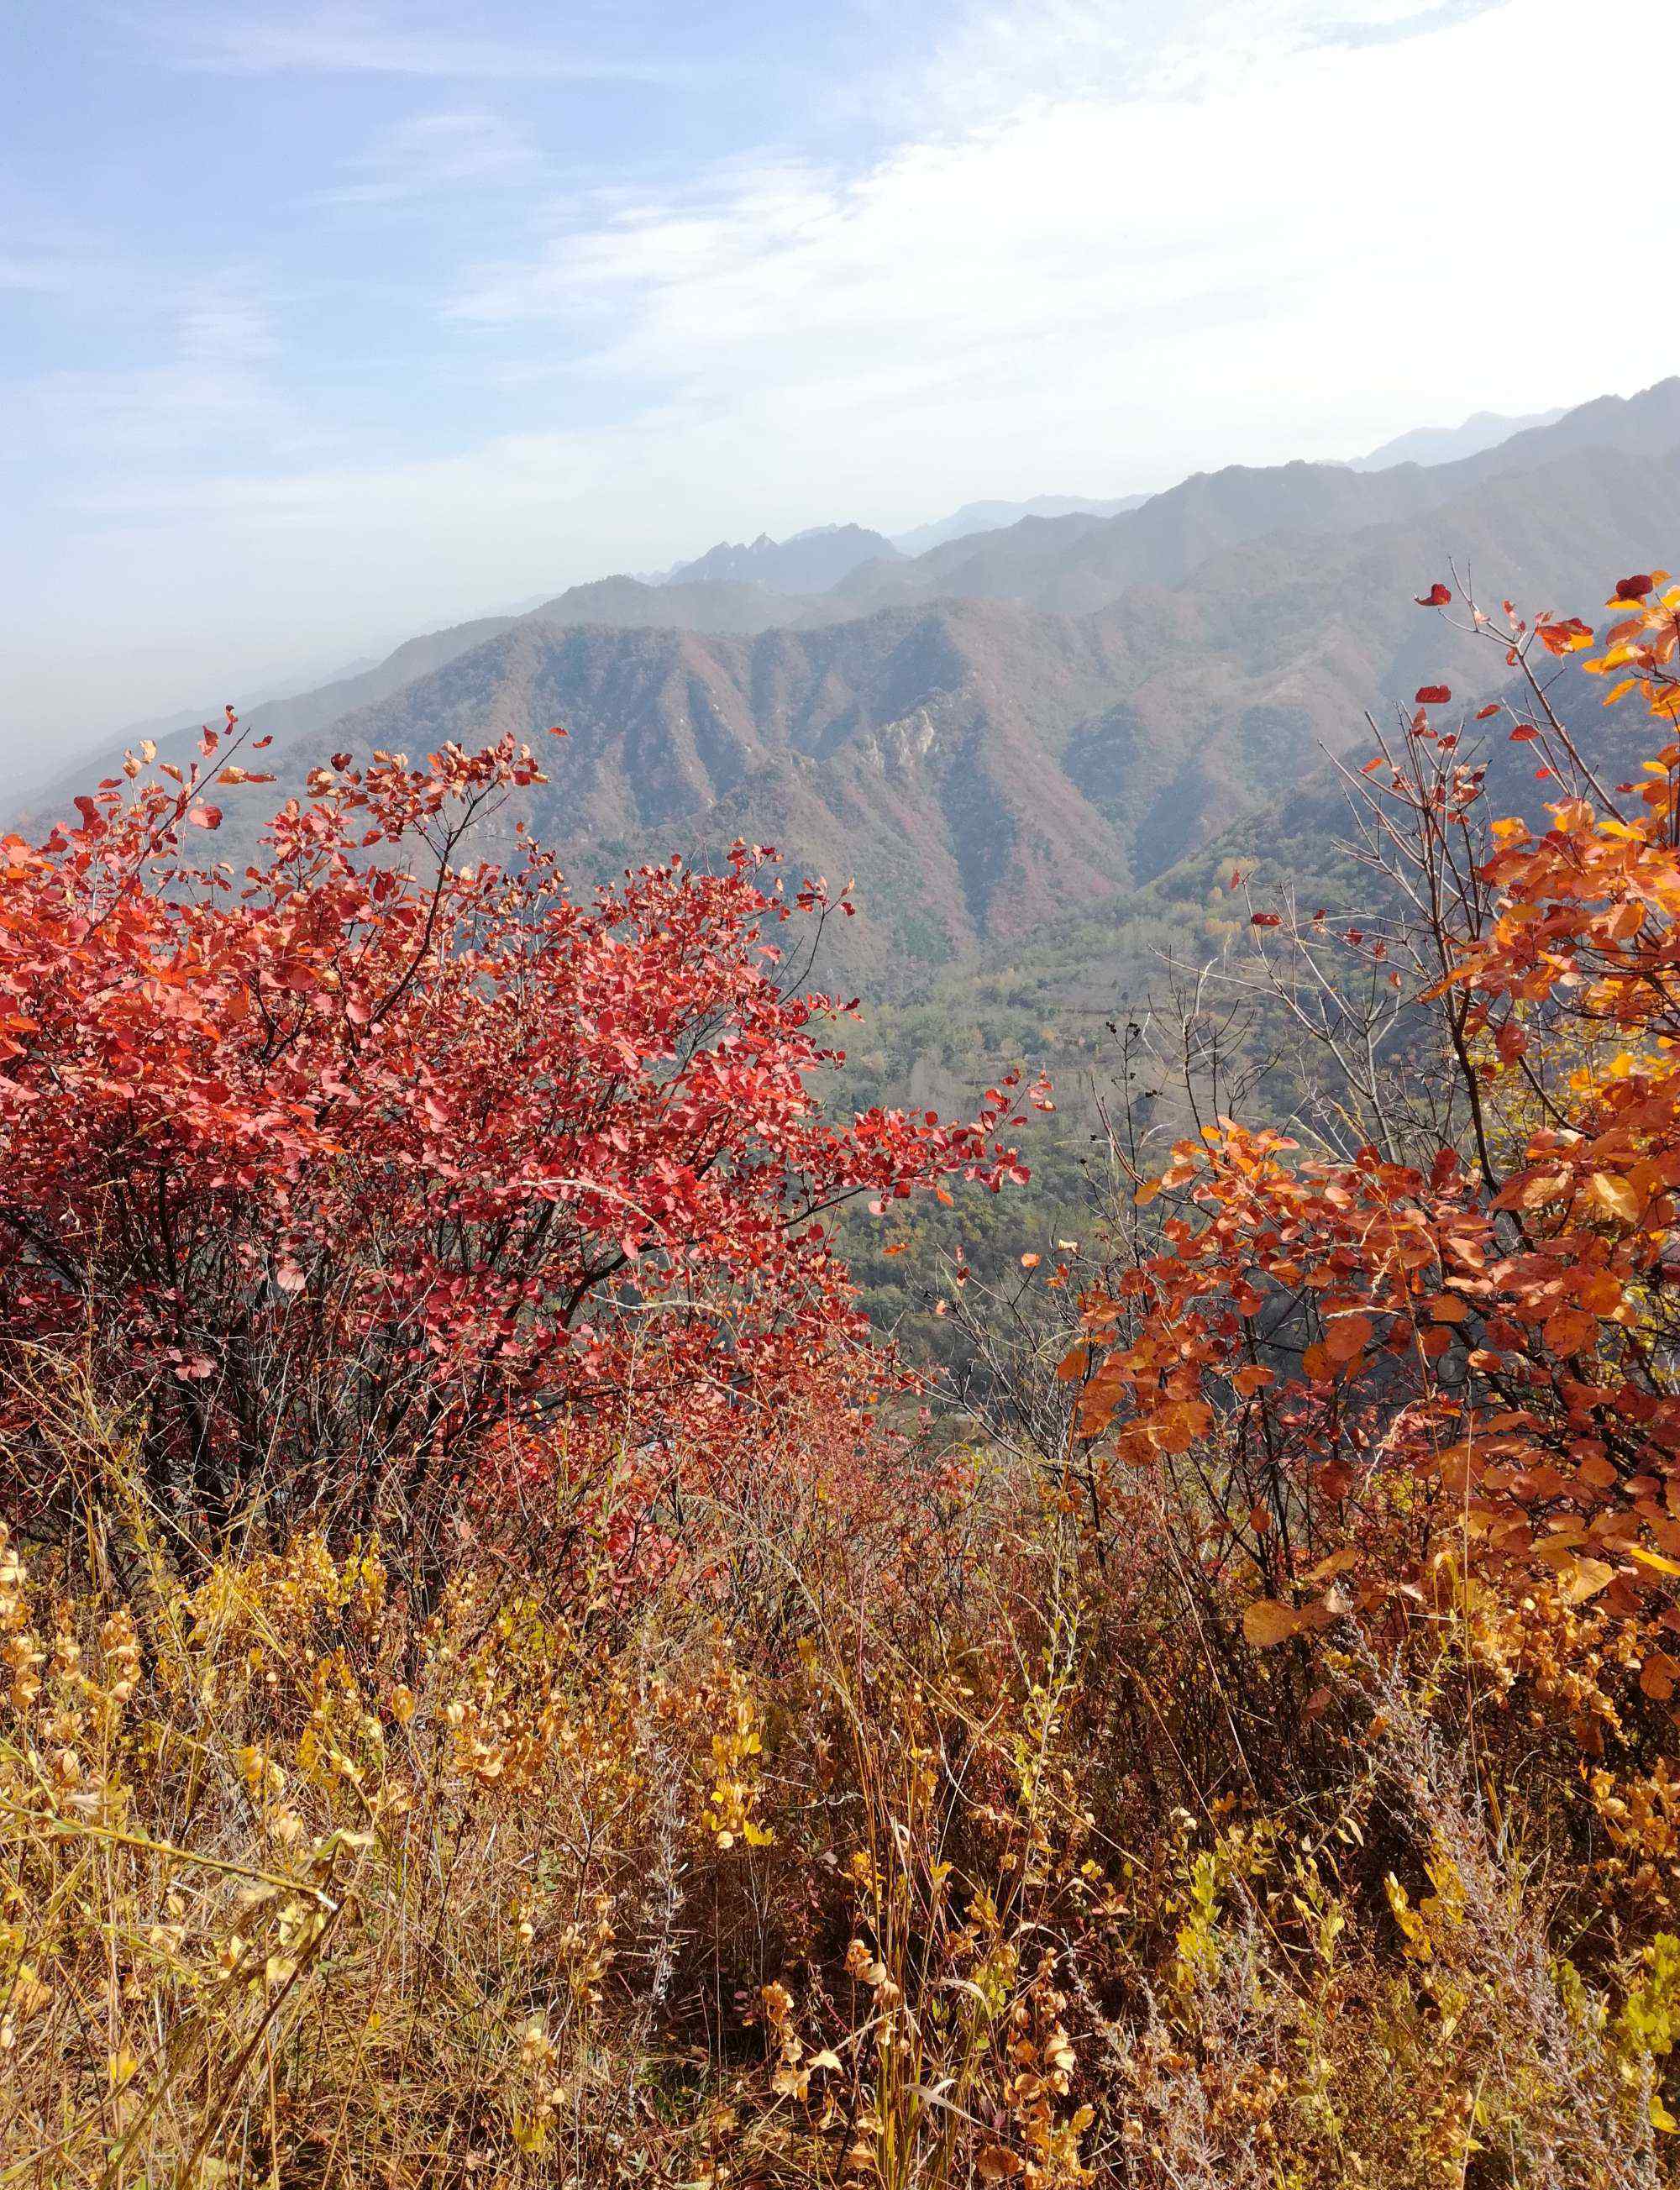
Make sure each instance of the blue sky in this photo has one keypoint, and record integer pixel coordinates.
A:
(320, 324)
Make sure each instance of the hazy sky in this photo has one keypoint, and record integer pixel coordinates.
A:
(323, 324)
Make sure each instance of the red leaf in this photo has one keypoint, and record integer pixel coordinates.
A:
(1437, 597)
(1492, 708)
(1263, 919)
(204, 817)
(1433, 695)
(1632, 589)
(1566, 637)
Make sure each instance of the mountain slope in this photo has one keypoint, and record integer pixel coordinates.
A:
(1323, 629)
(909, 746)
(702, 604)
(619, 602)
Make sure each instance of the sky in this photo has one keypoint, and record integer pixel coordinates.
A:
(323, 322)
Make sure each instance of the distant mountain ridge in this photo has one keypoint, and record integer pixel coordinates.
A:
(992, 516)
(1443, 445)
(810, 562)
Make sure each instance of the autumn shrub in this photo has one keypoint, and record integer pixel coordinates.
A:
(380, 1175)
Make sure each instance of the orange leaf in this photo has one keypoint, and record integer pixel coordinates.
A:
(1346, 1336)
(994, 2163)
(1568, 1330)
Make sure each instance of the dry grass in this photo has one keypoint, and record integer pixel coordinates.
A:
(827, 1860)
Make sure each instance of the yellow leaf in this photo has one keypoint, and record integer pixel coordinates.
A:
(1587, 1578)
(1338, 1563)
(1267, 1623)
(1616, 1195)
(1655, 1559)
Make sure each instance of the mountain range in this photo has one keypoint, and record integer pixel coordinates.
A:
(1035, 724)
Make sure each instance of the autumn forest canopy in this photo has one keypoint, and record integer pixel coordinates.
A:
(593, 1591)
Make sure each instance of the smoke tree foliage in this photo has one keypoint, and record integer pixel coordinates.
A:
(365, 1171)
(1491, 1326)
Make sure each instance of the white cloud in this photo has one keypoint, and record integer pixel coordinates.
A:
(1100, 260)
(469, 149)
(1164, 264)
(996, 58)
(372, 41)
(214, 393)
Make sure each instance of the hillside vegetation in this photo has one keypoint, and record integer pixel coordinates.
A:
(509, 1678)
